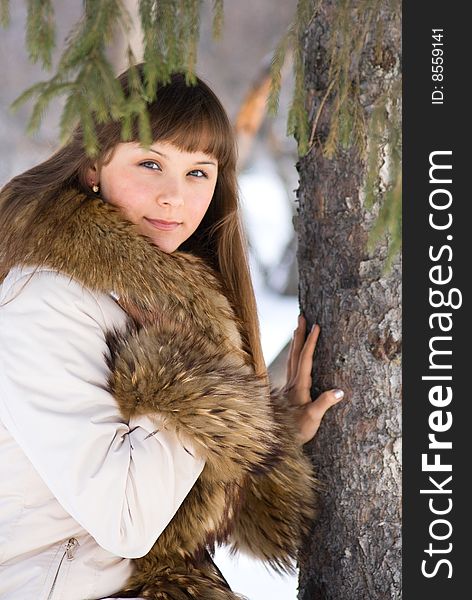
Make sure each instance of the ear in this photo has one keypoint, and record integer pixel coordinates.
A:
(91, 174)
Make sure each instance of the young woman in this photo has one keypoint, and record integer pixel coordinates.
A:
(137, 426)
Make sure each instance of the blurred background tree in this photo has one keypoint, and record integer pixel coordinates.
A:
(332, 67)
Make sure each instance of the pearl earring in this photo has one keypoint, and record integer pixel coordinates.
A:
(95, 188)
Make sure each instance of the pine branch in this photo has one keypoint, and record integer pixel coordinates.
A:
(276, 66)
(40, 32)
(218, 19)
(193, 37)
(84, 73)
(4, 13)
(350, 26)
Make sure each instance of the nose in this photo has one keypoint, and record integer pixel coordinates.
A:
(170, 193)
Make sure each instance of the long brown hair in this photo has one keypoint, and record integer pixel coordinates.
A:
(193, 119)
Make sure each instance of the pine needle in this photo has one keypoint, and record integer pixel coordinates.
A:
(4, 13)
(40, 32)
(276, 66)
(218, 19)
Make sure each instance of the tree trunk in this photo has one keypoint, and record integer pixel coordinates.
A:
(354, 549)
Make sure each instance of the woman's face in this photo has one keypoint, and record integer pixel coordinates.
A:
(164, 191)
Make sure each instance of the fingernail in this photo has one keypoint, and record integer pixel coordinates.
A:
(338, 394)
(313, 326)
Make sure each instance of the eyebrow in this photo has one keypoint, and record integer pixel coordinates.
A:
(200, 162)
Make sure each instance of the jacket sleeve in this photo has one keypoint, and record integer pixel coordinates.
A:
(121, 480)
(280, 505)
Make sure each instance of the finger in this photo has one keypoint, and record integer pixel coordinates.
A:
(298, 339)
(289, 362)
(305, 359)
(325, 401)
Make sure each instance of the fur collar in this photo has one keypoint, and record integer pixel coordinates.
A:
(90, 240)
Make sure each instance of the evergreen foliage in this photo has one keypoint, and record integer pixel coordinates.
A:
(297, 122)
(170, 40)
(218, 19)
(4, 13)
(379, 140)
(40, 31)
(84, 73)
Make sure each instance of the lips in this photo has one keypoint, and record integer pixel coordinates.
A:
(163, 225)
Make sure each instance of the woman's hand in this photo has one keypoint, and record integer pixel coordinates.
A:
(299, 367)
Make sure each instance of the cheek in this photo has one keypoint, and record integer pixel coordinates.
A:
(197, 208)
(125, 194)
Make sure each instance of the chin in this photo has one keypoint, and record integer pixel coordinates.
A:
(167, 248)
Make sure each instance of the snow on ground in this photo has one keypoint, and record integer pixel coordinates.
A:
(252, 579)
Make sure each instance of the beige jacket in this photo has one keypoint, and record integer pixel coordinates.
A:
(82, 491)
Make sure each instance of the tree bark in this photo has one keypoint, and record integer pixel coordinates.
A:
(354, 549)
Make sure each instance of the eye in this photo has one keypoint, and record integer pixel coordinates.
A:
(151, 162)
(200, 173)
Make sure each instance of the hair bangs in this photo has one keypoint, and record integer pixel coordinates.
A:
(192, 118)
